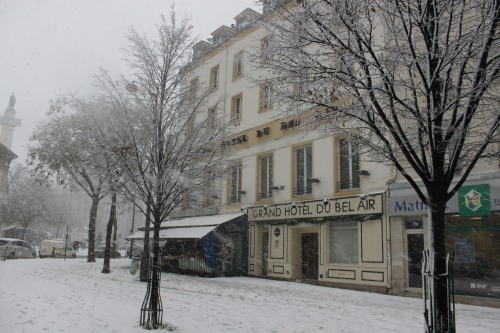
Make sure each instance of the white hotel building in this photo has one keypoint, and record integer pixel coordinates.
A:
(316, 212)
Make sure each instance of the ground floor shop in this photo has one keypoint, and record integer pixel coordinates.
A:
(213, 245)
(340, 241)
(472, 233)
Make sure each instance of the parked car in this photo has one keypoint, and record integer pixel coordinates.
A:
(15, 248)
(56, 248)
(99, 252)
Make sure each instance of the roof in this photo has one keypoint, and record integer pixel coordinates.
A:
(192, 227)
(7, 153)
(247, 12)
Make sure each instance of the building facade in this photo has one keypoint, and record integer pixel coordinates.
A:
(316, 211)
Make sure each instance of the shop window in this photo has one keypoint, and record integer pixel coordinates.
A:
(303, 170)
(476, 244)
(344, 242)
(414, 223)
(348, 165)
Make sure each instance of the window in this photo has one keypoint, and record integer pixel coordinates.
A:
(344, 242)
(238, 65)
(348, 165)
(303, 170)
(266, 97)
(235, 194)
(212, 118)
(209, 192)
(236, 107)
(193, 87)
(266, 177)
(190, 125)
(301, 86)
(266, 49)
(214, 77)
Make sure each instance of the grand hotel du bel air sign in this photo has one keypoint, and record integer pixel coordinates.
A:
(332, 207)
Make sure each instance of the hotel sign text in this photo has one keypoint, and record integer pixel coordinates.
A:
(312, 209)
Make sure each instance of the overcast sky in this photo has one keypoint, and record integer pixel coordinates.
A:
(53, 47)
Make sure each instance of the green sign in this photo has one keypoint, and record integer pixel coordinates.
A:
(474, 200)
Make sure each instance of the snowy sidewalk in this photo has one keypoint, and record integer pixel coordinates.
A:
(56, 295)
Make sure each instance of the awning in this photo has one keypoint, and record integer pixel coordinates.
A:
(188, 228)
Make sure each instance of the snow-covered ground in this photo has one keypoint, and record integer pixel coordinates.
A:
(56, 295)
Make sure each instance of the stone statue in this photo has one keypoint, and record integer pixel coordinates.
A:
(12, 100)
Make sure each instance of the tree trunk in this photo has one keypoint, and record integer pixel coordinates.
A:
(437, 245)
(145, 254)
(92, 221)
(155, 283)
(109, 231)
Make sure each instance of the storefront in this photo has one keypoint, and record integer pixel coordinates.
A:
(338, 241)
(204, 245)
(472, 233)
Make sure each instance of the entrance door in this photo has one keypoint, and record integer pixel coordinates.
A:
(310, 256)
(415, 255)
(265, 251)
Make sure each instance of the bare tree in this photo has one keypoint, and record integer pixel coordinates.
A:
(28, 202)
(414, 82)
(164, 144)
(62, 148)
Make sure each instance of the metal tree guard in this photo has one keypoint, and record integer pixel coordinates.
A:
(428, 280)
(151, 309)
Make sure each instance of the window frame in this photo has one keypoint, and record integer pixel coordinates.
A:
(266, 97)
(348, 174)
(236, 107)
(234, 196)
(212, 118)
(302, 183)
(266, 49)
(214, 77)
(350, 252)
(238, 66)
(265, 179)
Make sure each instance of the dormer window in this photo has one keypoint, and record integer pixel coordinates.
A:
(222, 34)
(201, 48)
(246, 18)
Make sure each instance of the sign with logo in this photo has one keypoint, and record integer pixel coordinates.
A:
(474, 200)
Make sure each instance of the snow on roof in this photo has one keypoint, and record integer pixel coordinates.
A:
(200, 221)
(176, 233)
(192, 227)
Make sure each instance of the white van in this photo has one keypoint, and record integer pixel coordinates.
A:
(56, 248)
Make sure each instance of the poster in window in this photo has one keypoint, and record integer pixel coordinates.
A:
(464, 249)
